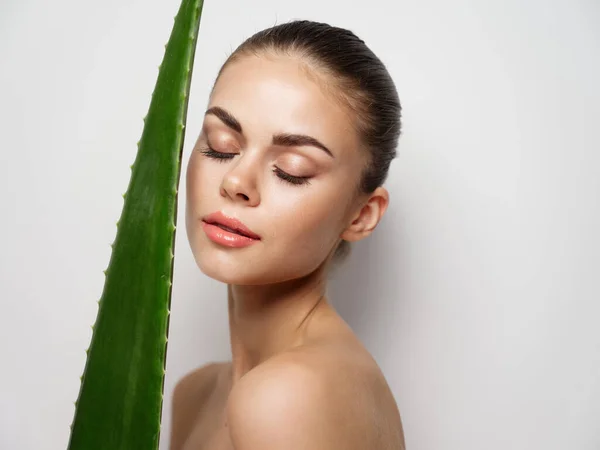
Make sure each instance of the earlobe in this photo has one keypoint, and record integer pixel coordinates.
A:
(368, 217)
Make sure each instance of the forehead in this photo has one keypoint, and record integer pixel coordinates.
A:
(274, 94)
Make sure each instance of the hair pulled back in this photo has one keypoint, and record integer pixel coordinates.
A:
(354, 75)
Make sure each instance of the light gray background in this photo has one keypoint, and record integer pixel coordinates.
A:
(478, 294)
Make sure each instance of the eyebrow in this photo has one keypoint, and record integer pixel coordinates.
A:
(284, 139)
(225, 117)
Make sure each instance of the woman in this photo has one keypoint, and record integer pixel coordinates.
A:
(301, 127)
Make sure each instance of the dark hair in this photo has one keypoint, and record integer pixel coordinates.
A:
(361, 80)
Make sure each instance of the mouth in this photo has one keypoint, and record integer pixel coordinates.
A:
(230, 225)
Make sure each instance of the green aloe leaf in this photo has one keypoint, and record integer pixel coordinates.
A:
(120, 400)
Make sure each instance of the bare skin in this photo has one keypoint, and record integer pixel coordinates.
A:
(355, 411)
(299, 378)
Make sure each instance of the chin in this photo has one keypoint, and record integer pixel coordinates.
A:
(243, 270)
(227, 266)
(229, 276)
(253, 265)
(243, 276)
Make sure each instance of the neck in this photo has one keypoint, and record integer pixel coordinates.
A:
(265, 320)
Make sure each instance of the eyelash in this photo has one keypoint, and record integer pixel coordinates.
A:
(283, 176)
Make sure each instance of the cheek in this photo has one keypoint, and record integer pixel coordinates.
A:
(193, 175)
(200, 179)
(309, 221)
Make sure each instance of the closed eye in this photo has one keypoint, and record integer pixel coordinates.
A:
(290, 178)
(224, 157)
(220, 156)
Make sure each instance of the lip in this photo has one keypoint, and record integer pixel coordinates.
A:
(241, 237)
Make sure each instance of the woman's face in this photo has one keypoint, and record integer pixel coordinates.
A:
(279, 154)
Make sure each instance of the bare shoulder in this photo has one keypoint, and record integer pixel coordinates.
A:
(330, 395)
(199, 380)
(189, 395)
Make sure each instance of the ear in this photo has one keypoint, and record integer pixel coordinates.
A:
(369, 215)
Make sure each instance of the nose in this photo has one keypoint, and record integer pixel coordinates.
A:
(240, 182)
